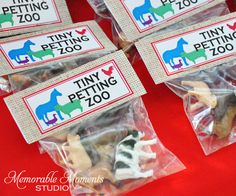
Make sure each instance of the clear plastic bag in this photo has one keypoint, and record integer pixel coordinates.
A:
(99, 7)
(22, 80)
(210, 104)
(4, 86)
(118, 148)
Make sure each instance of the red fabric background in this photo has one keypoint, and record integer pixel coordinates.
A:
(211, 175)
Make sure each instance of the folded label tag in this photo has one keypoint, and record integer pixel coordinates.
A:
(142, 17)
(26, 52)
(47, 47)
(16, 15)
(200, 46)
(74, 96)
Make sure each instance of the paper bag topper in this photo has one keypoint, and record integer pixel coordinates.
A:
(190, 49)
(73, 97)
(142, 17)
(51, 46)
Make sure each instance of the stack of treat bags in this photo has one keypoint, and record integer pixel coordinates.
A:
(77, 94)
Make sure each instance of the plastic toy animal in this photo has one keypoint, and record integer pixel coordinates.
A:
(69, 107)
(42, 110)
(169, 55)
(194, 55)
(202, 92)
(16, 53)
(148, 22)
(128, 154)
(41, 53)
(103, 167)
(6, 18)
(222, 127)
(140, 11)
(162, 10)
(101, 170)
(224, 114)
(78, 158)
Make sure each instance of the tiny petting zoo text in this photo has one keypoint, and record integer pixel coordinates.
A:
(49, 47)
(16, 14)
(77, 96)
(197, 47)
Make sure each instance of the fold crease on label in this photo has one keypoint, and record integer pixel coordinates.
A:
(75, 96)
(191, 49)
(55, 45)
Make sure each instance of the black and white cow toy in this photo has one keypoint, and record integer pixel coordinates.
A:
(128, 155)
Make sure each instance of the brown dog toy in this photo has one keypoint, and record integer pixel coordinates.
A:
(223, 106)
(104, 166)
(202, 92)
(224, 114)
(77, 155)
(102, 170)
(223, 127)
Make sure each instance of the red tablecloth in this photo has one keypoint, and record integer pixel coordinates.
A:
(211, 175)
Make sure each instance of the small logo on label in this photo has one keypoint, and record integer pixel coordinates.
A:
(77, 96)
(82, 32)
(198, 47)
(43, 48)
(148, 13)
(15, 14)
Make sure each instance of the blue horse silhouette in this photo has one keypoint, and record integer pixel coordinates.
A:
(169, 55)
(42, 110)
(138, 12)
(16, 53)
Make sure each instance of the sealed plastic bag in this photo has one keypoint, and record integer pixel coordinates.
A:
(4, 86)
(112, 153)
(210, 104)
(181, 57)
(99, 7)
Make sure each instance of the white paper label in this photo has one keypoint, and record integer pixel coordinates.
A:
(146, 14)
(78, 96)
(48, 47)
(18, 14)
(197, 47)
